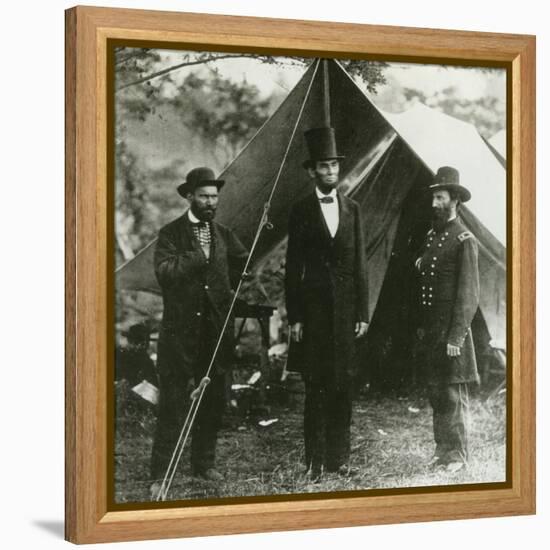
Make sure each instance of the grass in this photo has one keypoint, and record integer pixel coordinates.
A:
(391, 446)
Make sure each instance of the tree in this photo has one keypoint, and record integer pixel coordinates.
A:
(225, 114)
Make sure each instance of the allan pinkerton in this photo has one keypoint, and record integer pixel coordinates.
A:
(197, 263)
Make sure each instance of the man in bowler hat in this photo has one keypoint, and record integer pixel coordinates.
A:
(197, 263)
(449, 296)
(327, 304)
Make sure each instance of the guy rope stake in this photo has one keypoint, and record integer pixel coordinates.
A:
(198, 393)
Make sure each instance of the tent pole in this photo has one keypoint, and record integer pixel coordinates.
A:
(326, 94)
(198, 393)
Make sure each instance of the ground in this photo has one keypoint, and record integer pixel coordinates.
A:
(391, 445)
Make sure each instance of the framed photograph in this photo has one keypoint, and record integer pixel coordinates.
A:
(300, 273)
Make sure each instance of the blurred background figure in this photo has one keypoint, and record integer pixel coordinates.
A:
(133, 362)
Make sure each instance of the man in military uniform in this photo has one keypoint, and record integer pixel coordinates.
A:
(449, 298)
(197, 263)
(327, 303)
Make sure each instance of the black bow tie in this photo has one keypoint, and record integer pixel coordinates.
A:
(326, 200)
(200, 224)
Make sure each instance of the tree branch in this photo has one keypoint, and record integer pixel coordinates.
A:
(131, 56)
(179, 66)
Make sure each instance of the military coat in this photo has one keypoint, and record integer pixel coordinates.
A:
(448, 300)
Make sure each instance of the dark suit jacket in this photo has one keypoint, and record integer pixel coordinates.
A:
(192, 286)
(321, 268)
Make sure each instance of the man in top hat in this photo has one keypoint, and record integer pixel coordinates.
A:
(449, 297)
(327, 304)
(197, 263)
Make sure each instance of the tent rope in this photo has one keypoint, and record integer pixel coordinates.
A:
(198, 393)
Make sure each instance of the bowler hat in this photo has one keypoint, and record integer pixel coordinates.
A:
(321, 145)
(448, 178)
(199, 177)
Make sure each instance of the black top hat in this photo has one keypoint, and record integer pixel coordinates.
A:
(448, 178)
(321, 144)
(199, 177)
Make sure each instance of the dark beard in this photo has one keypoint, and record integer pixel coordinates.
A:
(440, 219)
(203, 214)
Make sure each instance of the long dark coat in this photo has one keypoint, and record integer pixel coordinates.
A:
(449, 298)
(319, 266)
(192, 284)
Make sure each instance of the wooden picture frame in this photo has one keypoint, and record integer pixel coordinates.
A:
(88, 265)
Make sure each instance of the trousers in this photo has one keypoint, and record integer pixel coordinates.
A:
(174, 403)
(451, 418)
(328, 398)
(327, 418)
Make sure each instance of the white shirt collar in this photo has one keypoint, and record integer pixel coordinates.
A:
(192, 217)
(321, 195)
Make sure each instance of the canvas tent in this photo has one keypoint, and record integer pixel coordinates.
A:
(498, 141)
(439, 140)
(498, 156)
(390, 161)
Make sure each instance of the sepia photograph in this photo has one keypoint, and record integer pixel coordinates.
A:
(310, 275)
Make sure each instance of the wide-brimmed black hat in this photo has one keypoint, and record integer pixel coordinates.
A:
(199, 177)
(448, 178)
(321, 145)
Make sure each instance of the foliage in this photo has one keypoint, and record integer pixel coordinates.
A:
(223, 113)
(133, 207)
(137, 103)
(370, 72)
